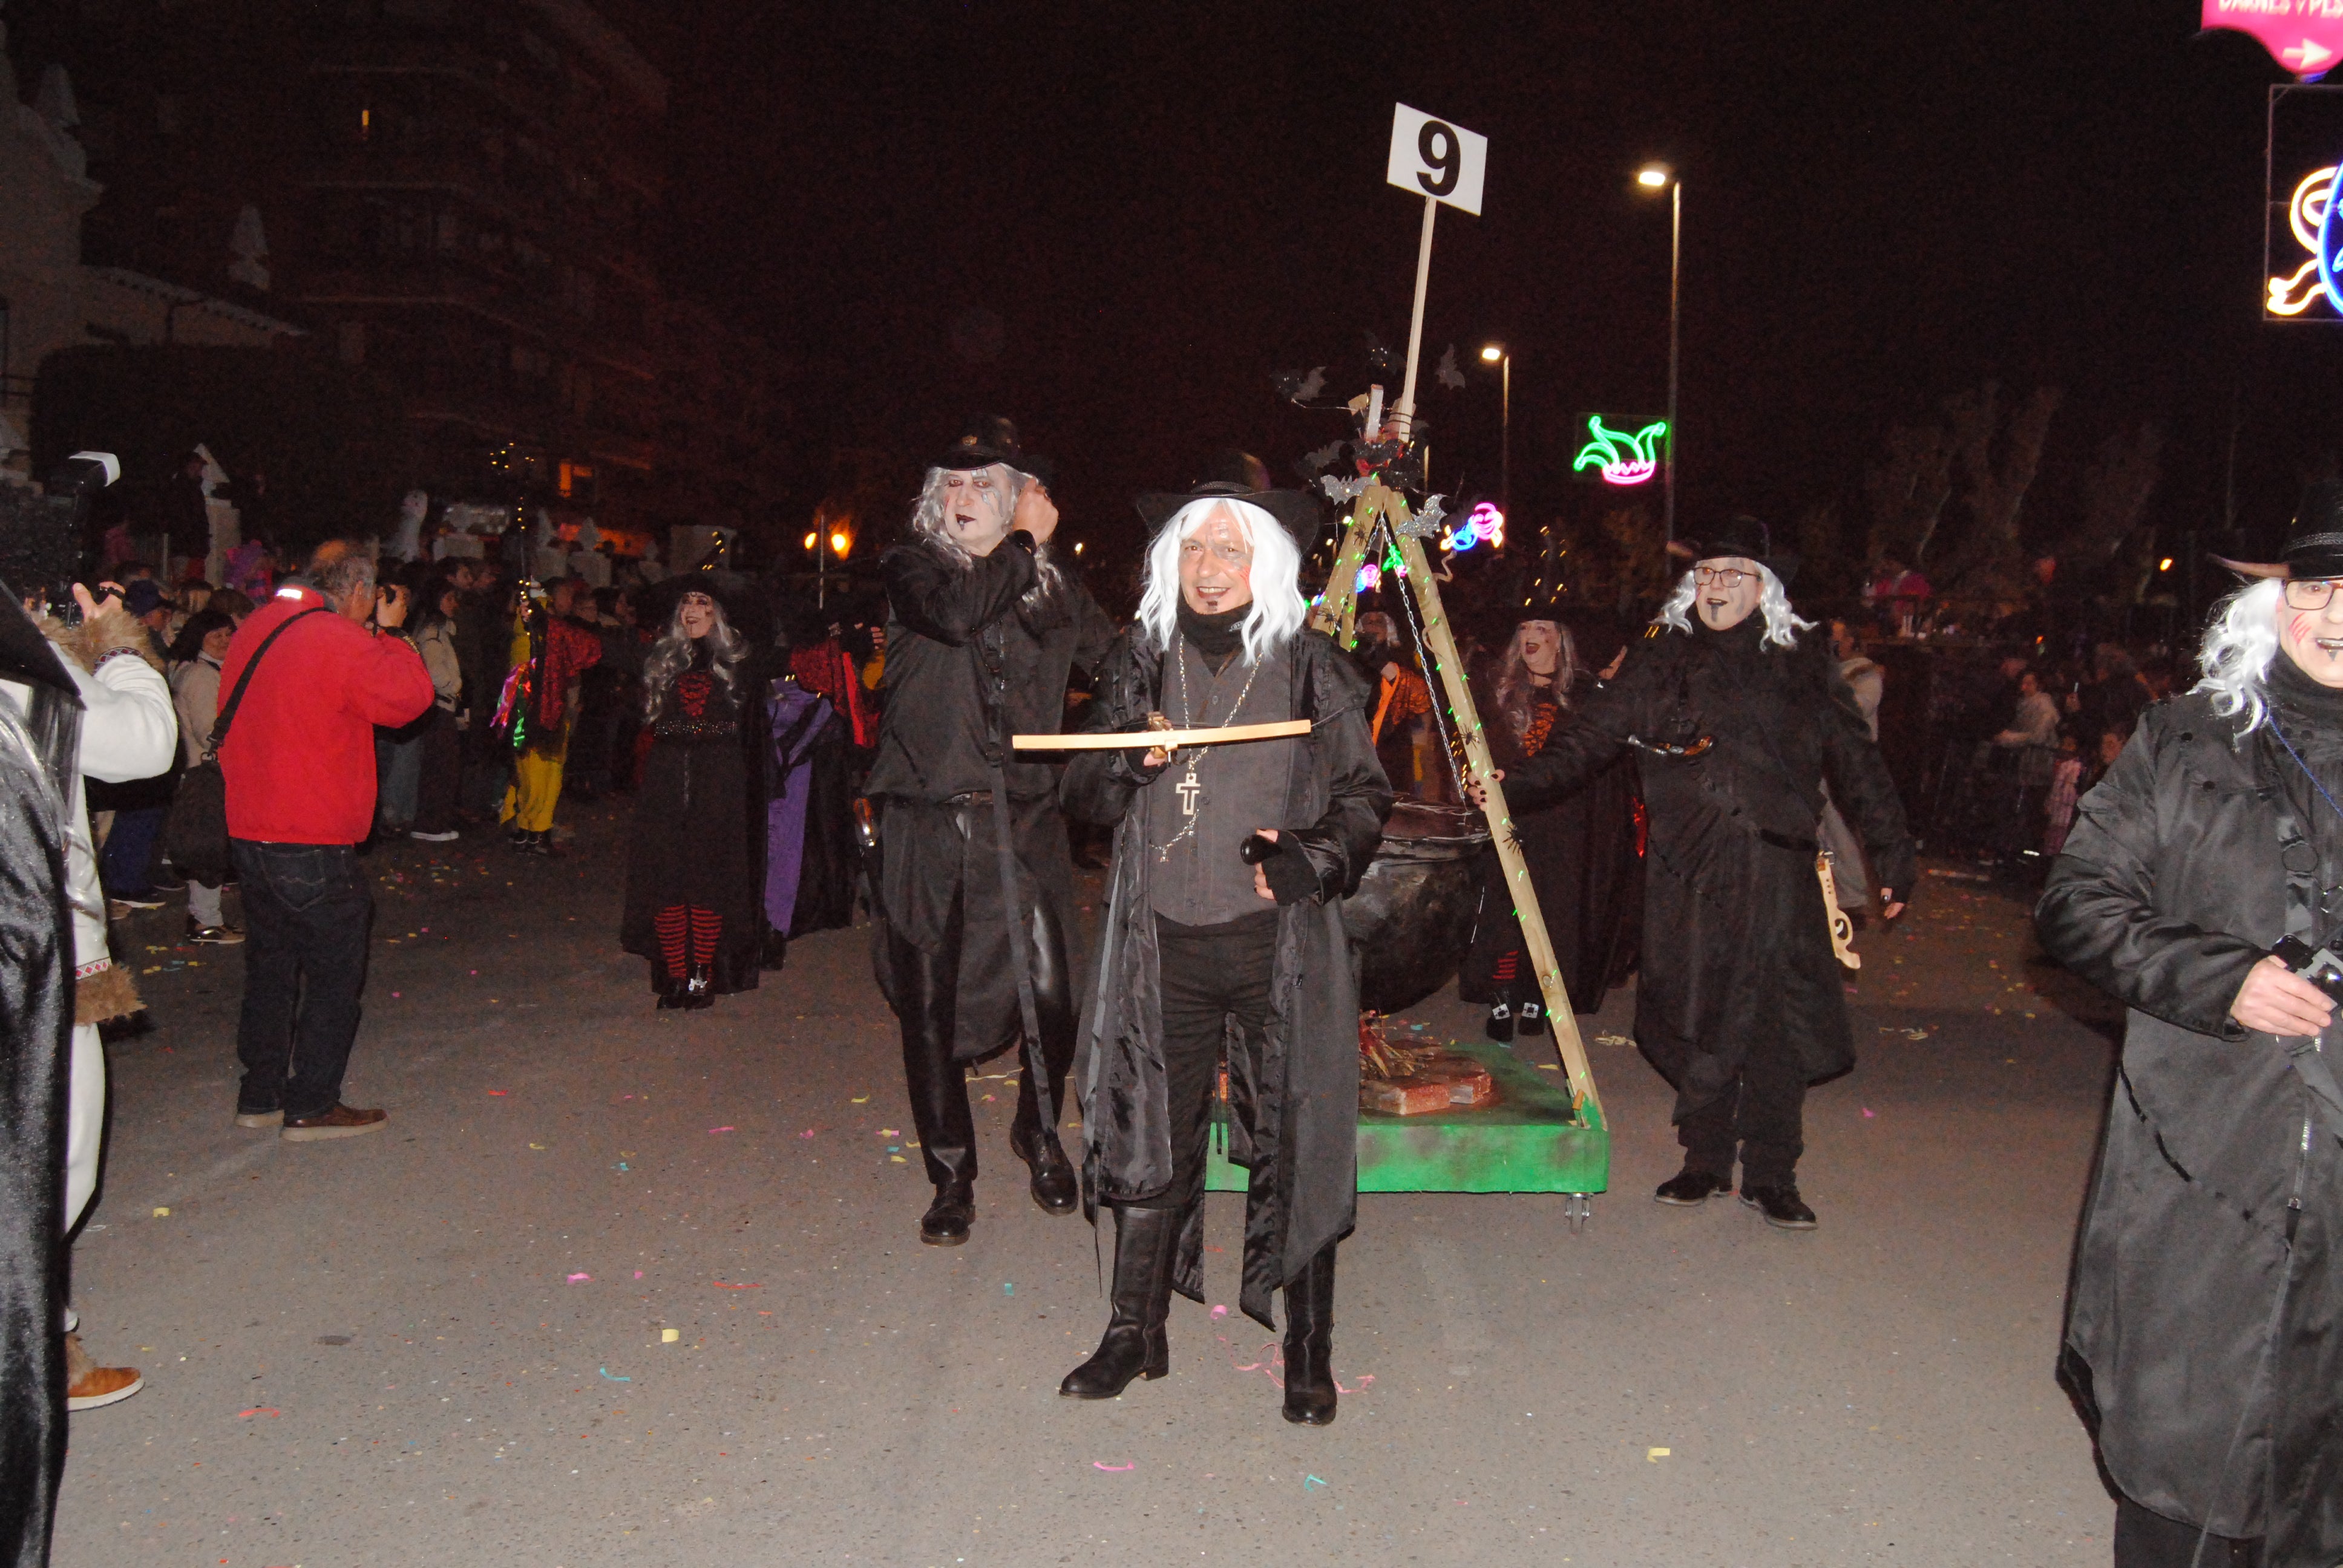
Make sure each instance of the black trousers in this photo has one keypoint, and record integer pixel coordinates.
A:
(307, 916)
(926, 986)
(2145, 1539)
(1761, 1114)
(1208, 975)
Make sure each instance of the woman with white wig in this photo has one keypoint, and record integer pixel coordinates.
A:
(2202, 886)
(1223, 928)
(1735, 722)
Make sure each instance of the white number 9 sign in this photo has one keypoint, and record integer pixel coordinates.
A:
(1434, 159)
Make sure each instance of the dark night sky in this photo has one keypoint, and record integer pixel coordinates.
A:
(1884, 203)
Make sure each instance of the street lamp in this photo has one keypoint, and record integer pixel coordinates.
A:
(1656, 178)
(1495, 354)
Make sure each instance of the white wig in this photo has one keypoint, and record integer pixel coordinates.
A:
(1782, 623)
(2238, 646)
(927, 523)
(1279, 609)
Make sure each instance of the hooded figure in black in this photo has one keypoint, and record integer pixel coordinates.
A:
(38, 745)
(1735, 722)
(2204, 1340)
(976, 877)
(1223, 937)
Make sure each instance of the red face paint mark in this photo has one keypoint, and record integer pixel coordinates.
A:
(2298, 629)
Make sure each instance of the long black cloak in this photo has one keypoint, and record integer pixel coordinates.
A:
(2204, 1334)
(1731, 741)
(1296, 1126)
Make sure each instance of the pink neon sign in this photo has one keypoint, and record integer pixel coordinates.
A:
(2306, 36)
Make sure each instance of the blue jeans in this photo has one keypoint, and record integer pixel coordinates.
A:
(308, 914)
(399, 768)
(126, 865)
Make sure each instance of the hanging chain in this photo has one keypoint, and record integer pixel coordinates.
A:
(1425, 657)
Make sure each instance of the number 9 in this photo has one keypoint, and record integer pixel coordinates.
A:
(1440, 166)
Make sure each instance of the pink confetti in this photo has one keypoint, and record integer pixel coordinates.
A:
(1220, 1311)
(1111, 1468)
(394, 996)
(638, 1274)
(575, 1278)
(807, 1133)
(496, 1092)
(257, 1409)
(713, 1131)
(1868, 1112)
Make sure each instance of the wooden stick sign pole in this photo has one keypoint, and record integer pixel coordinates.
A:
(1406, 409)
(1481, 766)
(1443, 164)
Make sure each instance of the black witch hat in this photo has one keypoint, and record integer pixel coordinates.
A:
(2314, 539)
(1233, 476)
(1741, 535)
(990, 438)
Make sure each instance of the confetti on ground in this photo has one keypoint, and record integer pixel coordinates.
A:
(614, 1377)
(162, 1213)
(1654, 1455)
(1219, 1312)
(574, 1279)
(1008, 1288)
(638, 1274)
(257, 1409)
(713, 1131)
(1868, 1112)
(1615, 1040)
(1103, 1465)
(861, 1099)
(496, 1092)
(1309, 1480)
(722, 1286)
(668, 1336)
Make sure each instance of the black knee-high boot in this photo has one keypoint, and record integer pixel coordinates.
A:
(1134, 1344)
(1309, 1341)
(1054, 1186)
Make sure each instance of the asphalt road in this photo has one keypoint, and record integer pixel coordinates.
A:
(626, 1287)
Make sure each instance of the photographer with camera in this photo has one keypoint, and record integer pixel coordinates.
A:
(2202, 886)
(299, 766)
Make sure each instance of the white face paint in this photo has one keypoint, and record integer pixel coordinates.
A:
(2313, 639)
(1216, 565)
(1725, 592)
(1540, 648)
(977, 508)
(697, 613)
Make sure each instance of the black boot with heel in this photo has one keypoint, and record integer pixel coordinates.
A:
(1134, 1345)
(1309, 1343)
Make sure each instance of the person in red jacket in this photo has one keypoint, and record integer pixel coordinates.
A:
(299, 765)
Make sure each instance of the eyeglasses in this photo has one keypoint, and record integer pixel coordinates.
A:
(2312, 594)
(1730, 577)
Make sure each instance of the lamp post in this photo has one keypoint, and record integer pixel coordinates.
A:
(1657, 178)
(1497, 354)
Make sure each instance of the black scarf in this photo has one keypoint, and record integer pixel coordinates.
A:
(1216, 637)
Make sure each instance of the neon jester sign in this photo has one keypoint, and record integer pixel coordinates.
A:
(1621, 458)
(2310, 218)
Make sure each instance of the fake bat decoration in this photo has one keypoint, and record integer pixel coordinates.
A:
(1299, 385)
(1449, 376)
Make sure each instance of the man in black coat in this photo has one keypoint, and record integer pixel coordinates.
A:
(1203, 952)
(1734, 723)
(2202, 1342)
(976, 876)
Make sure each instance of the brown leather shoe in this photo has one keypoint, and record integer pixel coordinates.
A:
(89, 1385)
(341, 1121)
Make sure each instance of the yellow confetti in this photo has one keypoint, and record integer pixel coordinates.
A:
(1654, 1455)
(668, 1336)
(898, 1159)
(162, 1213)
(861, 1099)
(537, 1146)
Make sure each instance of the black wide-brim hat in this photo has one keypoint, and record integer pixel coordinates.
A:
(990, 438)
(744, 608)
(1745, 536)
(2314, 539)
(1233, 476)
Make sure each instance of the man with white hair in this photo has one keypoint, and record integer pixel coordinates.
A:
(1223, 933)
(976, 877)
(2202, 888)
(1734, 724)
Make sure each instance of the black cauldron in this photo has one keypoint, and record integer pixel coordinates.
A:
(1411, 921)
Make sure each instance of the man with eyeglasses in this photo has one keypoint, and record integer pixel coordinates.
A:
(1735, 722)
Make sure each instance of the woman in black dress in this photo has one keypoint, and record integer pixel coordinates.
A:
(1581, 850)
(691, 905)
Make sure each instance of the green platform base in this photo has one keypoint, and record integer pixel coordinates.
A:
(1526, 1143)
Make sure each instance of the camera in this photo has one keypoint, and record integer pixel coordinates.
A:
(41, 535)
(2321, 968)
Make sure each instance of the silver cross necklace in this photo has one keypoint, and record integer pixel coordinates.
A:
(1189, 788)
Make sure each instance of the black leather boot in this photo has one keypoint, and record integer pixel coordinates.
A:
(1054, 1186)
(699, 990)
(1134, 1344)
(671, 991)
(946, 1222)
(1309, 1341)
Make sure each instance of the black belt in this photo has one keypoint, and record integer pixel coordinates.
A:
(1784, 842)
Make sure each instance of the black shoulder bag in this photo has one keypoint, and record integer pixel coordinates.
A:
(195, 835)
